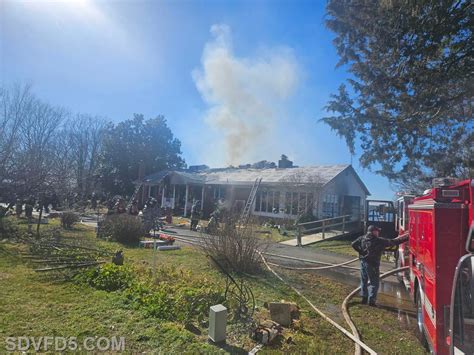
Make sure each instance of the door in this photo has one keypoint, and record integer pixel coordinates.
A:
(351, 206)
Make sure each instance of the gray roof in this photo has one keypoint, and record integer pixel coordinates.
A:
(271, 176)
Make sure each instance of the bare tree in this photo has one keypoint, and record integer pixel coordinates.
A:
(14, 103)
(86, 133)
(39, 126)
(62, 173)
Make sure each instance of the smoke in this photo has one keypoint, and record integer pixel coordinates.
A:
(246, 96)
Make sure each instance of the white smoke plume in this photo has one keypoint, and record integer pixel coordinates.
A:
(246, 96)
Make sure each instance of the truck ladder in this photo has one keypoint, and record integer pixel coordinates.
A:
(134, 196)
(248, 205)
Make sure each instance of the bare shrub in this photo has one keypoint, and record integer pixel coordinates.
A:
(235, 247)
(68, 219)
(123, 228)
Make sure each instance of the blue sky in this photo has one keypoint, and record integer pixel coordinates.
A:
(117, 58)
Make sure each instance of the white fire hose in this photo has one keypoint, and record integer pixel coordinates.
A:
(315, 267)
(355, 339)
(343, 265)
(345, 310)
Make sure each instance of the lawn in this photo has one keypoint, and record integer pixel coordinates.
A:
(339, 245)
(34, 305)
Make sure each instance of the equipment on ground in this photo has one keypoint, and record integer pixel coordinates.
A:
(238, 295)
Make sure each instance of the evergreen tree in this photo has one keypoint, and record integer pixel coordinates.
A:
(409, 104)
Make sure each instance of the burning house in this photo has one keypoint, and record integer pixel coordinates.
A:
(285, 191)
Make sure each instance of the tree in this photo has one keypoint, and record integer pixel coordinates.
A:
(76, 157)
(410, 103)
(86, 133)
(14, 103)
(34, 162)
(134, 142)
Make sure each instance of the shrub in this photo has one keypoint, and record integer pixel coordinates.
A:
(179, 299)
(108, 277)
(7, 228)
(68, 219)
(175, 296)
(235, 248)
(122, 228)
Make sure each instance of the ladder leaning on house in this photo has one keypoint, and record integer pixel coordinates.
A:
(244, 217)
(134, 196)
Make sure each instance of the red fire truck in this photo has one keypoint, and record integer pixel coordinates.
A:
(439, 252)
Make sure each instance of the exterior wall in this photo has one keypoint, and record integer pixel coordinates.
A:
(345, 184)
(345, 187)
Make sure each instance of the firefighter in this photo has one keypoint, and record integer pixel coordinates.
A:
(194, 216)
(133, 210)
(151, 212)
(29, 208)
(370, 248)
(18, 208)
(93, 201)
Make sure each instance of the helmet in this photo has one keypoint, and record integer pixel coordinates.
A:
(373, 228)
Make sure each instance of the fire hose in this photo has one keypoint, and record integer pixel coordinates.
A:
(355, 339)
(354, 336)
(315, 267)
(343, 265)
(345, 310)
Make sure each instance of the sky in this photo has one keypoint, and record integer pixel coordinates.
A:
(238, 81)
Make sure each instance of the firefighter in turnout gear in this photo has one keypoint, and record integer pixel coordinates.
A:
(370, 248)
(195, 215)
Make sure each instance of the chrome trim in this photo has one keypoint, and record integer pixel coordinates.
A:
(437, 205)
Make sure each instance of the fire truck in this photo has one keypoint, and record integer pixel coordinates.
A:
(440, 257)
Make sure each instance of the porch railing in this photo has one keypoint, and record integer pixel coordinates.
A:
(324, 225)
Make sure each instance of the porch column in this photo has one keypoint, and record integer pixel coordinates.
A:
(186, 201)
(174, 196)
(202, 198)
(163, 196)
(143, 195)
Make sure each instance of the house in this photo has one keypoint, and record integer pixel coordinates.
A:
(285, 192)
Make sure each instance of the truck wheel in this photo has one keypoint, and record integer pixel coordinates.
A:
(419, 319)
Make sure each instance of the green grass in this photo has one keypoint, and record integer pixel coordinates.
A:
(32, 305)
(340, 246)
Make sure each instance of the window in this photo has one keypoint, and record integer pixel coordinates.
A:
(267, 201)
(153, 191)
(330, 206)
(306, 203)
(294, 203)
(219, 192)
(288, 203)
(270, 199)
(257, 202)
(297, 203)
(263, 207)
(276, 202)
